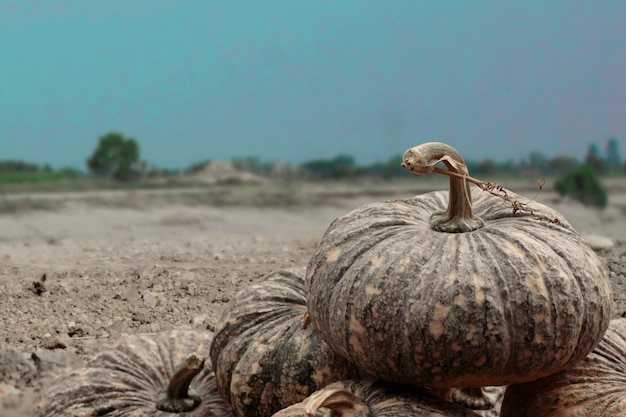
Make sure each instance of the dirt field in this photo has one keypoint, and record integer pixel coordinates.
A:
(75, 279)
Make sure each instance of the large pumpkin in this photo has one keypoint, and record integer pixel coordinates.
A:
(265, 358)
(458, 288)
(370, 398)
(596, 386)
(162, 375)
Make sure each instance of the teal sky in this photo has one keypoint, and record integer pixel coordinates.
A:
(302, 79)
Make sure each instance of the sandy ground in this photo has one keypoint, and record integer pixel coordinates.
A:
(75, 280)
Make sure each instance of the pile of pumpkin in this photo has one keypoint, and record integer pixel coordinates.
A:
(402, 302)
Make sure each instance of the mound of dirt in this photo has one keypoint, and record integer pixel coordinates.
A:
(222, 172)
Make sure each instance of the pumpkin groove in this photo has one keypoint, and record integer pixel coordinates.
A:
(127, 379)
(519, 297)
(265, 359)
(595, 386)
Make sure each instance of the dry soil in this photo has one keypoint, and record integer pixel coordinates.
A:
(76, 279)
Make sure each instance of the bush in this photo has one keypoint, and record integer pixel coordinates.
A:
(583, 185)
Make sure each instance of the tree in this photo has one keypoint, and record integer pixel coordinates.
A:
(595, 160)
(583, 184)
(613, 160)
(18, 166)
(343, 166)
(538, 161)
(116, 157)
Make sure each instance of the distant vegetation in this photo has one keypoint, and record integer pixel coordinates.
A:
(116, 158)
(583, 184)
(23, 172)
(116, 162)
(345, 167)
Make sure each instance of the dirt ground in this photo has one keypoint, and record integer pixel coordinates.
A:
(75, 280)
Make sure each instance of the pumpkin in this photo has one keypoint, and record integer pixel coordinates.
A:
(458, 288)
(370, 398)
(595, 386)
(142, 376)
(488, 399)
(265, 358)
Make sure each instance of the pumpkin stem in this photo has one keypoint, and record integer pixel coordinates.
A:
(339, 401)
(178, 397)
(459, 216)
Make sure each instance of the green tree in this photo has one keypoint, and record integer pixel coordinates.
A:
(595, 160)
(538, 161)
(583, 185)
(344, 166)
(613, 160)
(116, 157)
(18, 166)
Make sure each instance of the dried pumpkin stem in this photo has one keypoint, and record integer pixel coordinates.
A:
(340, 402)
(458, 217)
(178, 397)
(415, 160)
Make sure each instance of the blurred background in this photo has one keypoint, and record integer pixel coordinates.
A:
(145, 93)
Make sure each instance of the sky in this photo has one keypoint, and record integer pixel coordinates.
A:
(298, 80)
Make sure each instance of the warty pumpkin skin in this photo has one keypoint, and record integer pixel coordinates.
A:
(126, 380)
(265, 359)
(593, 387)
(518, 297)
(368, 398)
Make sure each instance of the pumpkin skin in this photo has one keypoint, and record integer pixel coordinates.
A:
(519, 298)
(123, 381)
(264, 358)
(596, 386)
(486, 399)
(370, 398)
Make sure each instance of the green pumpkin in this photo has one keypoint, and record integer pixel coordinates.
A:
(265, 357)
(457, 288)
